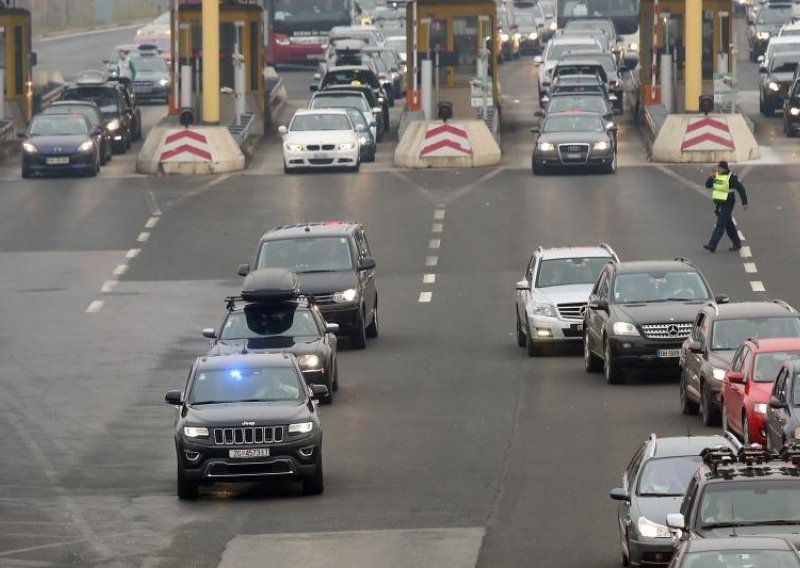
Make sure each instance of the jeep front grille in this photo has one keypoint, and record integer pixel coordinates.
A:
(667, 330)
(572, 311)
(251, 435)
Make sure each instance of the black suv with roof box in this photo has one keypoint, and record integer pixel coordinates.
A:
(270, 316)
(334, 264)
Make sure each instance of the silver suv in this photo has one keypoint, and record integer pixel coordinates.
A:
(551, 298)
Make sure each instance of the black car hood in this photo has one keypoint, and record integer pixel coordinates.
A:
(573, 137)
(662, 312)
(233, 414)
(296, 345)
(68, 142)
(771, 28)
(780, 77)
(327, 282)
(108, 115)
(657, 508)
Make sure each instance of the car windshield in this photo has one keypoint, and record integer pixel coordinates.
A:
(350, 101)
(573, 69)
(573, 123)
(357, 117)
(318, 122)
(761, 502)
(790, 32)
(767, 365)
(149, 63)
(662, 477)
(45, 125)
(607, 61)
(525, 19)
(263, 384)
(398, 43)
(566, 271)
(775, 15)
(349, 77)
(306, 11)
(317, 254)
(89, 112)
(730, 334)
(255, 322)
(556, 50)
(745, 558)
(659, 287)
(578, 102)
(104, 97)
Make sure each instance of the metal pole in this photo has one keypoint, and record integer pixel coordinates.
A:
(654, 55)
(426, 89)
(436, 75)
(666, 81)
(734, 85)
(210, 28)
(2, 92)
(238, 74)
(415, 57)
(186, 86)
(176, 49)
(693, 66)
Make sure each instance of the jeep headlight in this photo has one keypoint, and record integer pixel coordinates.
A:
(301, 427)
(794, 111)
(718, 374)
(760, 408)
(543, 309)
(773, 86)
(114, 124)
(195, 431)
(533, 35)
(624, 328)
(347, 296)
(602, 145)
(546, 147)
(762, 35)
(651, 529)
(309, 361)
(294, 147)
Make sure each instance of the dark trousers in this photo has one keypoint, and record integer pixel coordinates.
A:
(724, 212)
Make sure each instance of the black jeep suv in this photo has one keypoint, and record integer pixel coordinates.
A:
(640, 312)
(335, 266)
(247, 418)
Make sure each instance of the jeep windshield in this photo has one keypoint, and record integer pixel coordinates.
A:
(659, 287)
(761, 502)
(256, 322)
(267, 384)
(568, 271)
(317, 254)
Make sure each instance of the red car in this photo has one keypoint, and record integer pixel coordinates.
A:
(748, 383)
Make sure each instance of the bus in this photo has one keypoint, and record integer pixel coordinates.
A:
(624, 14)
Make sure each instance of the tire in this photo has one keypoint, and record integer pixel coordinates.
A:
(315, 483)
(26, 173)
(591, 362)
(335, 377)
(358, 339)
(128, 143)
(530, 345)
(709, 416)
(624, 559)
(538, 170)
(373, 328)
(103, 155)
(612, 167)
(186, 489)
(357, 167)
(521, 339)
(746, 440)
(610, 367)
(688, 407)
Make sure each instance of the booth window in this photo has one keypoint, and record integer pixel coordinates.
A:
(708, 45)
(19, 61)
(465, 44)
(253, 55)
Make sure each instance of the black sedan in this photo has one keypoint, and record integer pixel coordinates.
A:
(574, 140)
(59, 143)
(101, 134)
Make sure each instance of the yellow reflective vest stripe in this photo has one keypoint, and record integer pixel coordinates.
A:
(721, 187)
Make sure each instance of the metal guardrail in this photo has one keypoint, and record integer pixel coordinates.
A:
(45, 94)
(272, 85)
(6, 129)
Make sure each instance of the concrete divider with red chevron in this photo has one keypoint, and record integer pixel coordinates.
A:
(189, 151)
(445, 140)
(186, 144)
(693, 138)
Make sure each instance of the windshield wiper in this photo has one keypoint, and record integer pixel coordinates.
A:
(317, 270)
(208, 402)
(731, 524)
(660, 494)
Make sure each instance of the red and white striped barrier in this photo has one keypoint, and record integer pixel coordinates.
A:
(186, 145)
(445, 141)
(707, 133)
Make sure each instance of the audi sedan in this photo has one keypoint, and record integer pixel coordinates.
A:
(574, 140)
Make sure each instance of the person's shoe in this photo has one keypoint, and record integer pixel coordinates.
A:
(735, 248)
(709, 248)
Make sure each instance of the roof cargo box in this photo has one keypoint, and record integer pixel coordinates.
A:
(270, 285)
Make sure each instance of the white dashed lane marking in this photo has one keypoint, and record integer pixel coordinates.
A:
(151, 223)
(434, 243)
(431, 261)
(120, 269)
(437, 228)
(744, 252)
(95, 306)
(750, 267)
(143, 237)
(425, 297)
(429, 279)
(438, 214)
(757, 286)
(133, 253)
(108, 286)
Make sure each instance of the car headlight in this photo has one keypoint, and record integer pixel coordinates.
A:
(762, 35)
(633, 46)
(553, 26)
(794, 111)
(773, 86)
(602, 145)
(30, 148)
(760, 408)
(163, 82)
(346, 296)
(504, 37)
(718, 374)
(294, 147)
(517, 36)
(86, 146)
(543, 309)
(362, 140)
(546, 146)
(624, 328)
(347, 146)
(309, 361)
(797, 434)
(650, 529)
(533, 35)
(195, 431)
(114, 124)
(301, 427)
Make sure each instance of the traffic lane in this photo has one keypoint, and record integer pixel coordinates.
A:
(85, 50)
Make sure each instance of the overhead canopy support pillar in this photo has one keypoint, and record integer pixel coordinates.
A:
(210, 19)
(693, 37)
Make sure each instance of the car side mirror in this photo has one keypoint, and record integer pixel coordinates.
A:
(619, 494)
(377, 110)
(537, 60)
(317, 76)
(313, 88)
(209, 333)
(318, 391)
(523, 286)
(760, 59)
(777, 404)
(22, 135)
(366, 263)
(735, 377)
(332, 327)
(244, 270)
(538, 113)
(173, 397)
(694, 346)
(535, 129)
(722, 299)
(675, 521)
(359, 127)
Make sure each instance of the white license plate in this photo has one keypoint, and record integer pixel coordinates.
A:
(571, 156)
(321, 157)
(667, 353)
(251, 453)
(54, 161)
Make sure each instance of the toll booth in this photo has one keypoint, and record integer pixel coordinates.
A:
(241, 26)
(459, 37)
(16, 62)
(662, 29)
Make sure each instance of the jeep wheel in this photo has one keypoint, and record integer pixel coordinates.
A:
(591, 362)
(688, 407)
(612, 369)
(373, 328)
(186, 489)
(315, 483)
(707, 412)
(358, 339)
(520, 334)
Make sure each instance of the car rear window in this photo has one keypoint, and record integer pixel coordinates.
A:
(256, 322)
(730, 334)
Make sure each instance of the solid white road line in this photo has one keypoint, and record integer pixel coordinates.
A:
(750, 267)
(425, 297)
(757, 286)
(431, 261)
(434, 243)
(429, 279)
(95, 306)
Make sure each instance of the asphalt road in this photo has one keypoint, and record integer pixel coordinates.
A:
(446, 446)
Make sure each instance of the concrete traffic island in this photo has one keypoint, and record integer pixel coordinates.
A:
(697, 138)
(455, 144)
(198, 150)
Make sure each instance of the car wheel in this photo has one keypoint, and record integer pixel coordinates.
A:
(769, 443)
(335, 377)
(746, 430)
(707, 413)
(103, 155)
(521, 339)
(329, 384)
(315, 483)
(530, 345)
(612, 369)
(286, 169)
(612, 167)
(538, 170)
(357, 167)
(373, 328)
(186, 489)
(26, 173)
(688, 407)
(591, 362)
(358, 338)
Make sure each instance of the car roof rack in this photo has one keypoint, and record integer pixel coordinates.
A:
(686, 260)
(791, 453)
(754, 454)
(715, 456)
(610, 251)
(784, 304)
(652, 451)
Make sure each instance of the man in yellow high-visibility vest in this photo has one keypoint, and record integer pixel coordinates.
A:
(724, 185)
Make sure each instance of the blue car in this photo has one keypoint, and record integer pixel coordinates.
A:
(58, 143)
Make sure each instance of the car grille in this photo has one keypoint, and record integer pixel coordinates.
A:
(572, 311)
(143, 83)
(250, 435)
(667, 330)
(320, 161)
(322, 299)
(573, 153)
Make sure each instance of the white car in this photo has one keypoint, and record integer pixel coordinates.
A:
(321, 138)
(551, 298)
